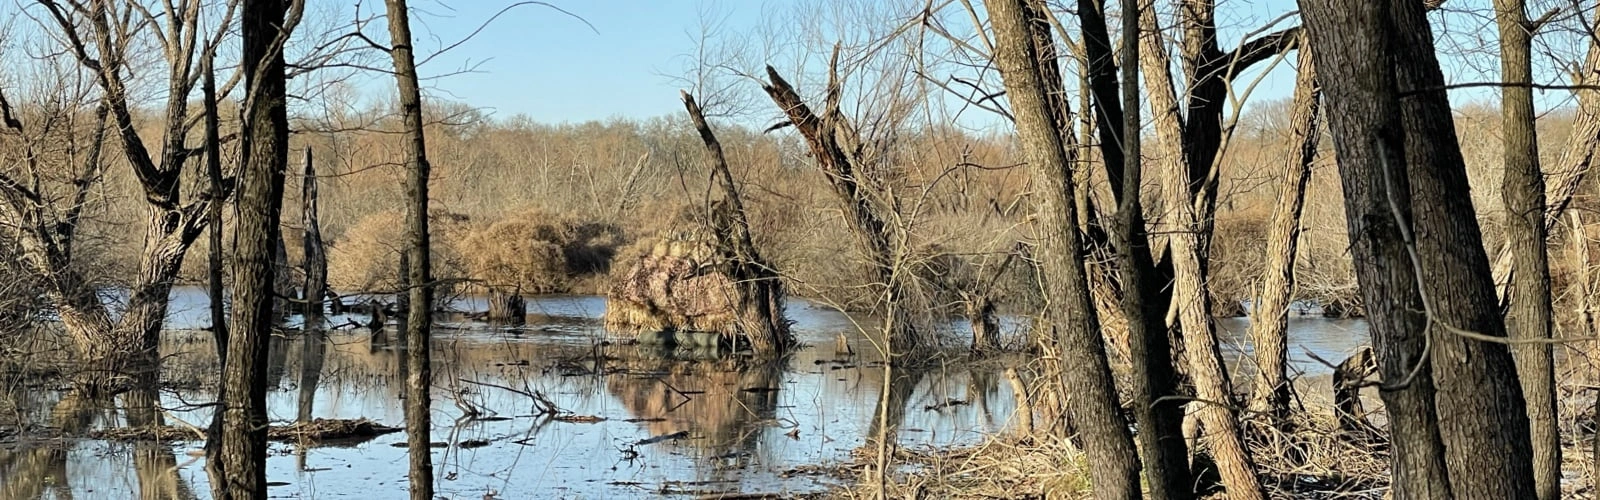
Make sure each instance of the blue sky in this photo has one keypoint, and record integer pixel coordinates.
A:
(552, 67)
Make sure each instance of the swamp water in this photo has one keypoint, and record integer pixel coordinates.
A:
(674, 423)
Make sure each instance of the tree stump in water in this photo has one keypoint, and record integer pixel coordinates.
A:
(985, 329)
(1348, 379)
(507, 308)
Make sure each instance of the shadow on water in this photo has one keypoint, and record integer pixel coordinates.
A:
(628, 420)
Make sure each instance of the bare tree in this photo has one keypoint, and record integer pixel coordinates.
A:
(1093, 397)
(98, 36)
(419, 282)
(265, 29)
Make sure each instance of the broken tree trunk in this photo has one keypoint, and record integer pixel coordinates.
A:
(1348, 379)
(316, 257)
(857, 186)
(759, 300)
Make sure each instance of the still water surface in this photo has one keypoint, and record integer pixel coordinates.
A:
(734, 425)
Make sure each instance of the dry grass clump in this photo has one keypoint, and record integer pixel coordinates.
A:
(668, 285)
(367, 256)
(537, 251)
(1002, 467)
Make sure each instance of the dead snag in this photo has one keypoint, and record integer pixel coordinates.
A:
(860, 189)
(759, 293)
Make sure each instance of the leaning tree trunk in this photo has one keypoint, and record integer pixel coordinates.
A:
(265, 144)
(1486, 437)
(1269, 321)
(1384, 52)
(419, 283)
(1523, 192)
(1093, 399)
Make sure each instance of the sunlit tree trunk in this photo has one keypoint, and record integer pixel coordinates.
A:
(1269, 315)
(1523, 192)
(419, 282)
(1092, 399)
(1189, 234)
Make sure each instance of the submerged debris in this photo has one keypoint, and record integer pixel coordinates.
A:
(322, 429)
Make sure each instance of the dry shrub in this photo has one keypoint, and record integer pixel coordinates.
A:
(538, 252)
(1236, 258)
(367, 256)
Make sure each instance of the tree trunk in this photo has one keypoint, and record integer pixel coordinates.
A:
(1377, 52)
(219, 315)
(1161, 443)
(1093, 399)
(419, 282)
(256, 236)
(1349, 47)
(1269, 322)
(315, 257)
(1186, 244)
(1583, 282)
(1523, 193)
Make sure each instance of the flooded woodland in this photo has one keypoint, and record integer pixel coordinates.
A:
(877, 249)
(556, 407)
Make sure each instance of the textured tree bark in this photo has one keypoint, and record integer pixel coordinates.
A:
(1351, 53)
(1186, 244)
(316, 258)
(1269, 321)
(1486, 440)
(419, 282)
(1093, 399)
(265, 132)
(1529, 316)
(1372, 55)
